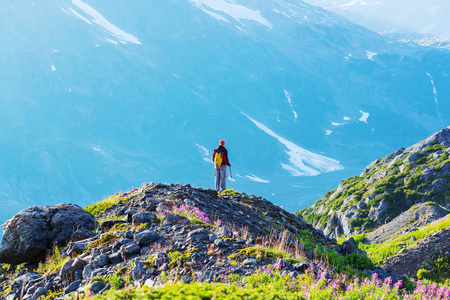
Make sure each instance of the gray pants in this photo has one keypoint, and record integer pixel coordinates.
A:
(221, 178)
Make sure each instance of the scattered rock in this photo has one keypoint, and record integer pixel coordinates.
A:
(32, 231)
(145, 237)
(144, 217)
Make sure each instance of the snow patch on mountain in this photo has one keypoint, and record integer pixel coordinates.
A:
(302, 161)
(236, 11)
(370, 55)
(214, 15)
(98, 19)
(288, 97)
(352, 3)
(364, 116)
(80, 16)
(434, 87)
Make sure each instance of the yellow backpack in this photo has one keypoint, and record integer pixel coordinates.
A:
(218, 159)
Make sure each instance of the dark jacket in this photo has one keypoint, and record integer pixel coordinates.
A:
(223, 150)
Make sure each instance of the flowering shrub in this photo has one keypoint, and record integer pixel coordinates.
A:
(270, 283)
(194, 214)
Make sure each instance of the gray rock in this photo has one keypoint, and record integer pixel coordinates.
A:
(224, 231)
(428, 173)
(81, 234)
(67, 272)
(377, 211)
(145, 237)
(219, 243)
(115, 258)
(250, 262)
(349, 246)
(162, 208)
(22, 281)
(41, 291)
(79, 263)
(128, 250)
(412, 158)
(107, 225)
(97, 286)
(106, 288)
(361, 205)
(72, 287)
(439, 185)
(32, 231)
(199, 234)
(99, 272)
(160, 259)
(75, 248)
(51, 286)
(87, 271)
(301, 267)
(138, 270)
(143, 217)
(174, 219)
(102, 260)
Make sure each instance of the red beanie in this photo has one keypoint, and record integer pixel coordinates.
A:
(222, 143)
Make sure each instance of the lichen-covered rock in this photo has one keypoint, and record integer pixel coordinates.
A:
(174, 219)
(32, 231)
(143, 217)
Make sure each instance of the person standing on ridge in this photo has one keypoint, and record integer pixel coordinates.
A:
(220, 159)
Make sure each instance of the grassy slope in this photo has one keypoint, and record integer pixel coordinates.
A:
(399, 189)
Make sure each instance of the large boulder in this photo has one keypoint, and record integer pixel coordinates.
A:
(28, 235)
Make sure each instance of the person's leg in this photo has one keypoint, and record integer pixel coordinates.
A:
(223, 177)
(217, 178)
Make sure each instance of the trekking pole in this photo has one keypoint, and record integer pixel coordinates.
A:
(231, 175)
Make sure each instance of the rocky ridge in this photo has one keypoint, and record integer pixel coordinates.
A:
(418, 216)
(386, 188)
(160, 231)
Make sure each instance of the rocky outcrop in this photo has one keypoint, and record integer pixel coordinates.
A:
(417, 216)
(28, 235)
(386, 188)
(421, 254)
(154, 240)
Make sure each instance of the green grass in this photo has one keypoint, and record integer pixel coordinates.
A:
(105, 239)
(267, 253)
(268, 284)
(100, 207)
(379, 253)
(228, 192)
(398, 189)
(435, 147)
(52, 262)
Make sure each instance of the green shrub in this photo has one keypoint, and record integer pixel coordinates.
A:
(228, 192)
(116, 281)
(435, 147)
(421, 274)
(99, 208)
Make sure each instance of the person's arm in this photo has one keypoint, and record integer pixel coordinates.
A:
(226, 158)
(214, 154)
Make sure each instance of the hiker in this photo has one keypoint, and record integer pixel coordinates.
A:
(220, 159)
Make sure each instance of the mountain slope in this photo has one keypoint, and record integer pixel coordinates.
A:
(411, 16)
(102, 96)
(388, 187)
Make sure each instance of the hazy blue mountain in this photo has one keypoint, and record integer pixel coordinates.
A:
(100, 96)
(429, 18)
